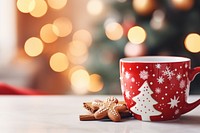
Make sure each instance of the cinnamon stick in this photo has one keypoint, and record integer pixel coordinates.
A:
(90, 117)
(86, 117)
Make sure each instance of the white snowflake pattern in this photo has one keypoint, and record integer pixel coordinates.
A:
(178, 77)
(160, 80)
(127, 75)
(127, 94)
(169, 73)
(186, 65)
(182, 84)
(174, 102)
(158, 90)
(144, 75)
(158, 66)
(133, 79)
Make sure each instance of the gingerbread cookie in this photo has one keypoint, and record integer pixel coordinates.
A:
(89, 107)
(109, 108)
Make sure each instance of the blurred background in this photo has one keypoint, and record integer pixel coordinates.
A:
(74, 46)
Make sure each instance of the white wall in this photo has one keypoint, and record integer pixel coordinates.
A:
(7, 31)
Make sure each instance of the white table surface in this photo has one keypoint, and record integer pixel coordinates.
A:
(60, 114)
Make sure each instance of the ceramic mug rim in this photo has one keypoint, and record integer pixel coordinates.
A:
(155, 59)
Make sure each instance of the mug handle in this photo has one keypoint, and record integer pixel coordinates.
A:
(190, 106)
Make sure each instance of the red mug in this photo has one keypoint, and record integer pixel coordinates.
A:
(156, 88)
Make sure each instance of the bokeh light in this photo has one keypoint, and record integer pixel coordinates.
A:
(62, 26)
(33, 46)
(77, 48)
(96, 83)
(132, 50)
(80, 80)
(40, 8)
(47, 33)
(59, 62)
(114, 31)
(73, 69)
(83, 36)
(159, 15)
(95, 7)
(78, 60)
(57, 4)
(136, 35)
(192, 42)
(157, 21)
(77, 52)
(25, 6)
(144, 7)
(183, 4)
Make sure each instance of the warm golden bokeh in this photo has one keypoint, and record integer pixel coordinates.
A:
(80, 81)
(26, 6)
(144, 7)
(136, 35)
(40, 8)
(78, 43)
(183, 4)
(77, 52)
(33, 46)
(83, 36)
(77, 48)
(96, 83)
(59, 62)
(57, 4)
(73, 69)
(95, 7)
(114, 31)
(47, 33)
(78, 60)
(192, 42)
(62, 26)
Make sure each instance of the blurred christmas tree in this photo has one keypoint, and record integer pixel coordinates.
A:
(144, 27)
